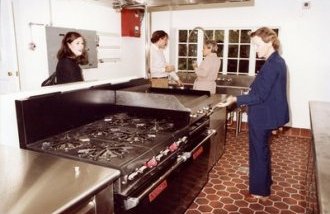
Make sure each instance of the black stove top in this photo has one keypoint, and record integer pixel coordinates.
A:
(113, 141)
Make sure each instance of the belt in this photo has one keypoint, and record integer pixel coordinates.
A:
(159, 78)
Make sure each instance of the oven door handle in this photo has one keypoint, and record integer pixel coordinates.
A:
(210, 132)
(205, 123)
(132, 202)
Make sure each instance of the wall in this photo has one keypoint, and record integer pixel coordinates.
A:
(303, 34)
(79, 14)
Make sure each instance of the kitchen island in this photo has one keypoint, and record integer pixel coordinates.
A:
(320, 122)
(32, 182)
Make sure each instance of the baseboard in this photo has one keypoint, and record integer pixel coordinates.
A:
(287, 131)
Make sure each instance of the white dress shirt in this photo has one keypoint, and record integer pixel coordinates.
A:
(158, 64)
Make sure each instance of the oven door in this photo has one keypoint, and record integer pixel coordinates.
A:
(154, 196)
(177, 187)
(194, 172)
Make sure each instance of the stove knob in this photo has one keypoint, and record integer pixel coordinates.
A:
(200, 111)
(158, 157)
(193, 115)
(166, 151)
(206, 108)
(132, 176)
(142, 169)
(178, 142)
(152, 163)
(173, 147)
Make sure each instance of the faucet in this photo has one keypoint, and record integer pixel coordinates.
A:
(195, 28)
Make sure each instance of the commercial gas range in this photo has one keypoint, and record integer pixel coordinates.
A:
(200, 103)
(150, 138)
(202, 113)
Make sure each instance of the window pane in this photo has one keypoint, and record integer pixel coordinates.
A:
(190, 61)
(219, 36)
(243, 66)
(233, 36)
(245, 51)
(245, 38)
(182, 50)
(232, 65)
(233, 51)
(209, 34)
(221, 63)
(193, 50)
(182, 64)
(220, 50)
(259, 64)
(193, 35)
(183, 35)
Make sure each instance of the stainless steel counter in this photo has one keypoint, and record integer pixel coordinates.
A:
(320, 121)
(32, 182)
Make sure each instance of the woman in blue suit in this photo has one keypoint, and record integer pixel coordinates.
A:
(267, 110)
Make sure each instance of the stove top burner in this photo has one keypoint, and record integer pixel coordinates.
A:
(114, 140)
(153, 125)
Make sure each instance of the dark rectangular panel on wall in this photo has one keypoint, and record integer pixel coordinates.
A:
(54, 36)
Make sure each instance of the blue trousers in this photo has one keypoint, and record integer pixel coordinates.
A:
(259, 161)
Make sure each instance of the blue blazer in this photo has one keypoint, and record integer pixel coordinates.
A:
(267, 99)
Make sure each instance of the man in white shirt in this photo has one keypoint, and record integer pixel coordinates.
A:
(160, 70)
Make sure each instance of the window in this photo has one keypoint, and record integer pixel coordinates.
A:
(187, 49)
(219, 37)
(238, 51)
(234, 50)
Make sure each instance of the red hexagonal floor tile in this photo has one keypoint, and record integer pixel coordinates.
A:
(229, 182)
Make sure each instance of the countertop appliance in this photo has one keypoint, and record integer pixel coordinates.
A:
(148, 137)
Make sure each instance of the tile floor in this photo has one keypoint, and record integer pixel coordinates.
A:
(228, 180)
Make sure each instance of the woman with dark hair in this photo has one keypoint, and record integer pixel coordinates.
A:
(160, 70)
(207, 72)
(267, 110)
(71, 54)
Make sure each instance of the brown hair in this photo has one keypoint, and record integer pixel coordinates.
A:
(267, 35)
(211, 44)
(157, 35)
(65, 51)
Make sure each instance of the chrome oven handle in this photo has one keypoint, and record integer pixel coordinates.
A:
(204, 123)
(211, 132)
(131, 202)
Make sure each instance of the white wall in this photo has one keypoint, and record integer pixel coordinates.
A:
(303, 33)
(79, 14)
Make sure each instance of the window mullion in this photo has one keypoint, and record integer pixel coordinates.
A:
(225, 52)
(252, 60)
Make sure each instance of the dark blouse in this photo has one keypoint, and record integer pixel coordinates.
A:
(68, 70)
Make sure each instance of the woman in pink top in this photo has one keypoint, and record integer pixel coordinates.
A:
(207, 71)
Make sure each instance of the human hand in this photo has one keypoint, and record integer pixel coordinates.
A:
(169, 68)
(230, 100)
(179, 82)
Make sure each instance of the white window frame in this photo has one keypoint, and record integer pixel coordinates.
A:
(224, 60)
